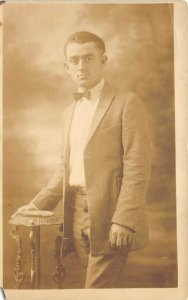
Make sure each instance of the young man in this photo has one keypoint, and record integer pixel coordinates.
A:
(104, 170)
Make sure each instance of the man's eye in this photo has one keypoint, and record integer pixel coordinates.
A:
(89, 59)
(74, 60)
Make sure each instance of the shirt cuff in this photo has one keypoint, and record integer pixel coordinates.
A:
(34, 206)
(129, 228)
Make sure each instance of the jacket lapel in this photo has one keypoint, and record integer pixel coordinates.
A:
(68, 122)
(103, 105)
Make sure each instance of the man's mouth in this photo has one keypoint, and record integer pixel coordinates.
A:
(83, 75)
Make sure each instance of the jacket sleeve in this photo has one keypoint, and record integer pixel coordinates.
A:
(52, 193)
(136, 164)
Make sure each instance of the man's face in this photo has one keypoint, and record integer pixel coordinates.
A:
(85, 64)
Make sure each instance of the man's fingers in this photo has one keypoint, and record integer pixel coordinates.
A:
(16, 213)
(125, 240)
(129, 238)
(119, 242)
(112, 240)
(119, 237)
(23, 208)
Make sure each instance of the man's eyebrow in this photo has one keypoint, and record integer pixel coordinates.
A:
(74, 56)
(89, 54)
(85, 55)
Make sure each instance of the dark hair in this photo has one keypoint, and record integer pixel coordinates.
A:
(82, 37)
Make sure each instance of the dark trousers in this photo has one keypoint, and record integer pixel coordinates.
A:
(102, 271)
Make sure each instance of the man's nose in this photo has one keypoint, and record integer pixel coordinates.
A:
(81, 64)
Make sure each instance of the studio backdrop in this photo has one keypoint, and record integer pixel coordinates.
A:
(36, 89)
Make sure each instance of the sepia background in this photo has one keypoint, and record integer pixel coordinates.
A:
(139, 42)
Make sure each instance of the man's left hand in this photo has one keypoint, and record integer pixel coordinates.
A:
(119, 236)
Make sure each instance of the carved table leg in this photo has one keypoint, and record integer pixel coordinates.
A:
(35, 256)
(18, 273)
(59, 275)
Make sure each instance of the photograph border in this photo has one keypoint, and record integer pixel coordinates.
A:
(181, 132)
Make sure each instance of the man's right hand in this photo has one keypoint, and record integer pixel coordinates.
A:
(27, 207)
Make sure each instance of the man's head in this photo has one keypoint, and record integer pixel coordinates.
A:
(85, 58)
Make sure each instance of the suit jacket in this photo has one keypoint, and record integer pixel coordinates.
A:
(117, 167)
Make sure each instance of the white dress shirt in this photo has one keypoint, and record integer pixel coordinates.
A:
(82, 118)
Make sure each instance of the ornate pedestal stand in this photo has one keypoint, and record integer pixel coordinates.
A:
(34, 219)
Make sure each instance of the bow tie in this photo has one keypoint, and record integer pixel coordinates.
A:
(78, 96)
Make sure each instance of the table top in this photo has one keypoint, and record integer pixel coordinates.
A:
(36, 218)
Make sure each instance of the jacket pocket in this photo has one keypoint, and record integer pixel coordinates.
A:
(111, 127)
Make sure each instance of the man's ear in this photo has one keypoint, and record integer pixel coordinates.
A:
(104, 59)
(66, 67)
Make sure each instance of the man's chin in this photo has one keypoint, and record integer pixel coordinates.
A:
(83, 83)
(86, 84)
